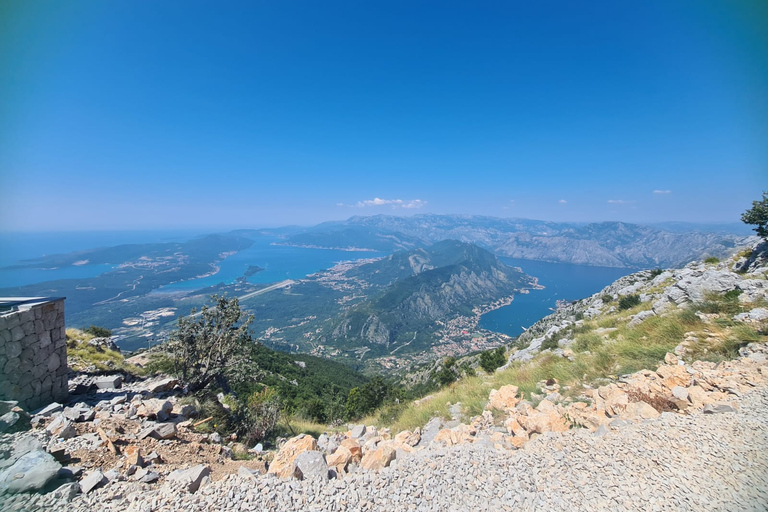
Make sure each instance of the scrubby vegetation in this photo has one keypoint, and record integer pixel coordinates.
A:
(84, 356)
(629, 301)
(599, 353)
(492, 359)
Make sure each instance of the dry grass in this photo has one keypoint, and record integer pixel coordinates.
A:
(597, 357)
(85, 357)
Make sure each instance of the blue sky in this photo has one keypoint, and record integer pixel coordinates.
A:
(137, 114)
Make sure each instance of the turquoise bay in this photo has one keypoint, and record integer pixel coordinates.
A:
(561, 281)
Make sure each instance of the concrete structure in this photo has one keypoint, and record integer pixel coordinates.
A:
(33, 351)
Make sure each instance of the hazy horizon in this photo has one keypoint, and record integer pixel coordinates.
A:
(736, 226)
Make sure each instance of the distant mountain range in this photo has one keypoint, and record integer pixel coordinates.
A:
(609, 244)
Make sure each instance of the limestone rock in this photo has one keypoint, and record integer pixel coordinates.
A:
(163, 431)
(637, 411)
(503, 398)
(29, 473)
(718, 408)
(586, 416)
(284, 464)
(354, 448)
(160, 384)
(108, 382)
(672, 376)
(379, 458)
(341, 458)
(190, 478)
(312, 465)
(408, 438)
(92, 480)
(61, 428)
(753, 316)
(357, 431)
(155, 409)
(133, 456)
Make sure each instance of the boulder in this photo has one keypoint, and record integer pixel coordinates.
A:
(503, 398)
(67, 492)
(611, 399)
(29, 473)
(160, 384)
(357, 431)
(108, 382)
(697, 396)
(284, 463)
(150, 477)
(640, 317)
(586, 416)
(186, 410)
(79, 412)
(155, 409)
(753, 316)
(718, 408)
(7, 406)
(379, 458)
(637, 411)
(133, 456)
(340, 459)
(49, 410)
(191, 478)
(104, 344)
(672, 376)
(408, 438)
(680, 393)
(8, 421)
(545, 418)
(312, 465)
(92, 480)
(163, 431)
(354, 448)
(61, 428)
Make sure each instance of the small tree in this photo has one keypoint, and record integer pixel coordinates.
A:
(99, 332)
(211, 345)
(758, 216)
(492, 359)
(629, 301)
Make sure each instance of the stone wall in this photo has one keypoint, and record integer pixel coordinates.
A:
(33, 352)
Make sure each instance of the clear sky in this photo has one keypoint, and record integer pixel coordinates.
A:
(155, 114)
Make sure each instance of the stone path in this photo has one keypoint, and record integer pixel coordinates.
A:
(700, 462)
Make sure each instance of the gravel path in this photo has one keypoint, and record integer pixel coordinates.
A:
(676, 462)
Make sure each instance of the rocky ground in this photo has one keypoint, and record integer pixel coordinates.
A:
(711, 456)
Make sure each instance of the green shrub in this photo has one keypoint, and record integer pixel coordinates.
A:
(492, 359)
(656, 272)
(629, 301)
(758, 216)
(98, 332)
(606, 299)
(711, 259)
(550, 343)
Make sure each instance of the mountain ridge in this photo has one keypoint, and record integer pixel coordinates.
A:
(609, 243)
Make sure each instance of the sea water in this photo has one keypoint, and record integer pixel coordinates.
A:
(562, 281)
(23, 248)
(279, 262)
